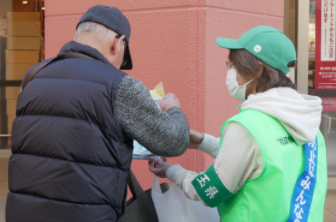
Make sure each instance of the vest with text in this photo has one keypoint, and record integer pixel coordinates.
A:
(268, 197)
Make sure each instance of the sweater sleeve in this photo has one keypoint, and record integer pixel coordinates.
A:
(239, 159)
(163, 134)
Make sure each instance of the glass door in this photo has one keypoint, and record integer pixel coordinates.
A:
(21, 47)
(311, 25)
(322, 69)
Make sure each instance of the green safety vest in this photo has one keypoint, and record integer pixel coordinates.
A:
(267, 197)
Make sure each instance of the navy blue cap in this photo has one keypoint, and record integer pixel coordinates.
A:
(112, 18)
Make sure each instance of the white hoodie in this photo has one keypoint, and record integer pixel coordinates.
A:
(240, 157)
(299, 114)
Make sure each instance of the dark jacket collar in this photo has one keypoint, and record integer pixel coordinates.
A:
(73, 46)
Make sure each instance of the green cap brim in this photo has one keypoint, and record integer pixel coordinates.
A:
(229, 43)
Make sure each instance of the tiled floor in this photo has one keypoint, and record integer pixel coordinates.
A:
(2, 209)
(329, 207)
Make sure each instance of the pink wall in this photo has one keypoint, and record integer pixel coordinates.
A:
(174, 42)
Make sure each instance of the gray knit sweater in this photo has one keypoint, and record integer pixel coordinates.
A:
(164, 134)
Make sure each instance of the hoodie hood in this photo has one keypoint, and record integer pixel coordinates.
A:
(299, 114)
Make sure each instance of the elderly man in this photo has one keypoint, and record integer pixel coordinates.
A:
(76, 121)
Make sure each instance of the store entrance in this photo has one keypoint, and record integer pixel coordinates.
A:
(21, 47)
(316, 70)
(322, 70)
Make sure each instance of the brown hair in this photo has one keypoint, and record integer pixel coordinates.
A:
(248, 65)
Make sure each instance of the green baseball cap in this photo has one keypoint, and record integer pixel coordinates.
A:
(266, 43)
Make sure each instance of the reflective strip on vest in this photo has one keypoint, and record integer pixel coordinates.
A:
(305, 185)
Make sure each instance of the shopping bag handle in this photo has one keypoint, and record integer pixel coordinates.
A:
(134, 185)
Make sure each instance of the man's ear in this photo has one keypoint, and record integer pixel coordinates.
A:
(113, 47)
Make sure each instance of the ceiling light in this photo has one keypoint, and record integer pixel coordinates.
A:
(25, 2)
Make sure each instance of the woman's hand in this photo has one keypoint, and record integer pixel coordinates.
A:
(159, 166)
(196, 138)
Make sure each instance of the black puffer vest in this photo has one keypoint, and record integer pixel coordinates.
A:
(70, 156)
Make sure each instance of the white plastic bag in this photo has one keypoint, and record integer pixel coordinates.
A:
(173, 206)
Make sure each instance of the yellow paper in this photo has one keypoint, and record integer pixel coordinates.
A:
(158, 92)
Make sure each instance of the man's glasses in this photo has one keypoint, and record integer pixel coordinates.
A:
(124, 41)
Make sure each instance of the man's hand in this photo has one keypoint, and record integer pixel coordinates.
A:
(170, 101)
(158, 167)
(196, 138)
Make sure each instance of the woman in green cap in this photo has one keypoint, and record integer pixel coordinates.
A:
(270, 160)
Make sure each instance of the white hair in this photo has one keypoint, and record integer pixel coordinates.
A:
(97, 30)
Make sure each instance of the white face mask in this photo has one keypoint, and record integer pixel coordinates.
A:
(235, 89)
